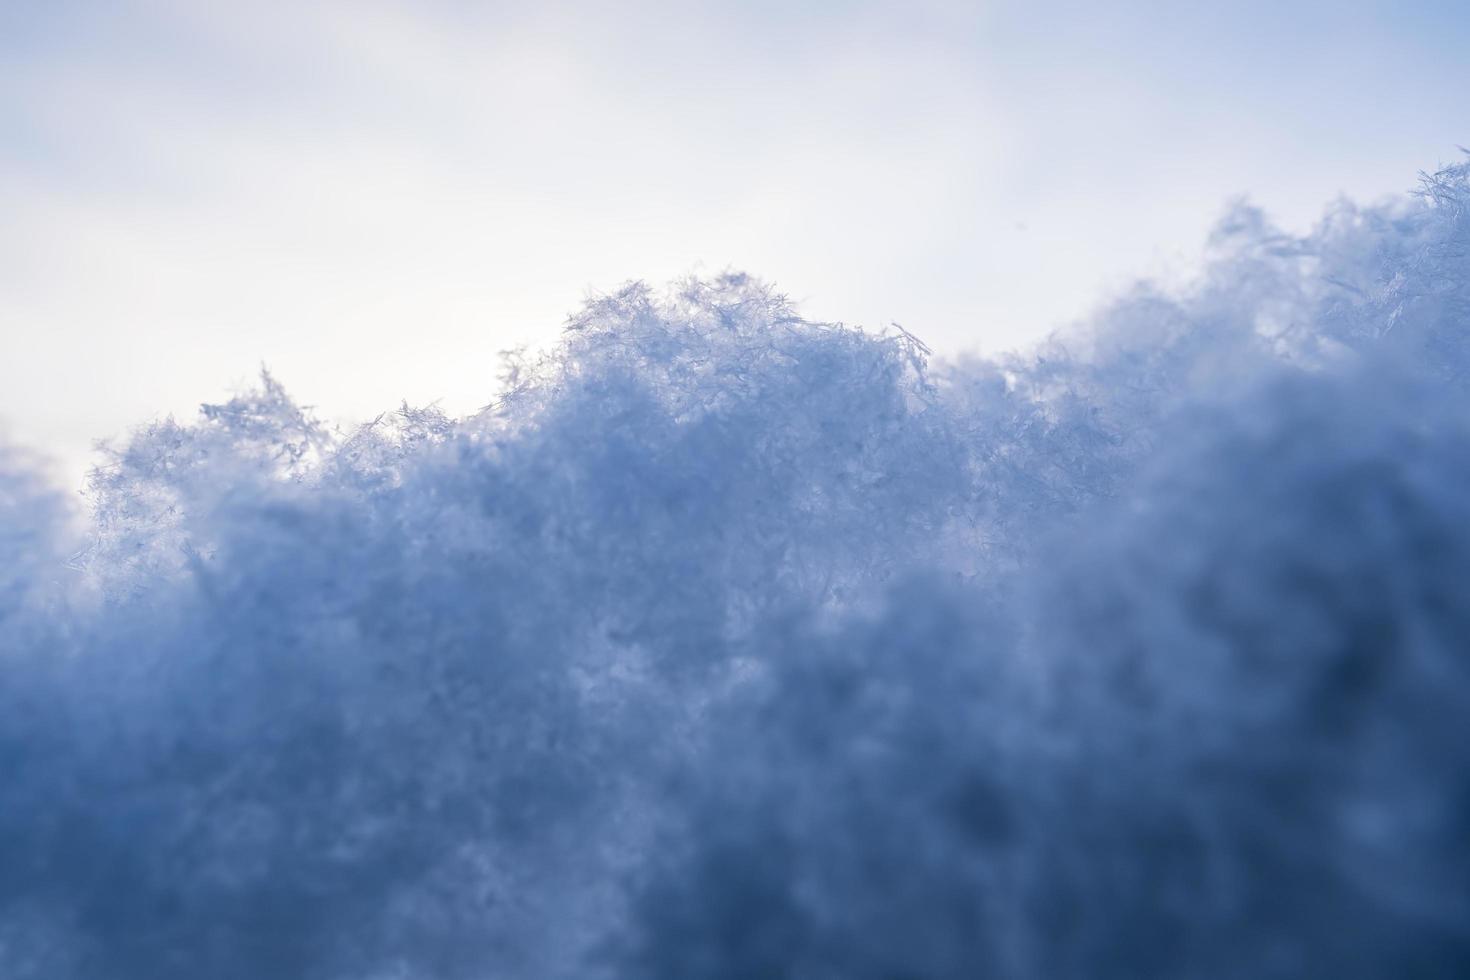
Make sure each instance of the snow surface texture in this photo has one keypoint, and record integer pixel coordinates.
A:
(730, 644)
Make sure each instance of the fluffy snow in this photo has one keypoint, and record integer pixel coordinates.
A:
(727, 643)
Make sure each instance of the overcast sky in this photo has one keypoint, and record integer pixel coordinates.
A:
(374, 198)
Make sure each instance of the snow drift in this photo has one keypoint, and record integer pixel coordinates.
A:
(731, 644)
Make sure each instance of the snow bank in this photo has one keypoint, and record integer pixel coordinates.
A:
(731, 644)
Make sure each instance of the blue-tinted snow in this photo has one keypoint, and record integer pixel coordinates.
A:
(730, 644)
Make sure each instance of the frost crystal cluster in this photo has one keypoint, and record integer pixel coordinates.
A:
(728, 644)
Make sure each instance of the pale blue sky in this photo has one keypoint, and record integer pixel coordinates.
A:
(374, 197)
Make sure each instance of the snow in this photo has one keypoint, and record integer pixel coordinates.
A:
(728, 643)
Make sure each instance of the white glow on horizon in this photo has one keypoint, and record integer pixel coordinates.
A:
(376, 198)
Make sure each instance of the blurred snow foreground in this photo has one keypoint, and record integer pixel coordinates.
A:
(731, 644)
